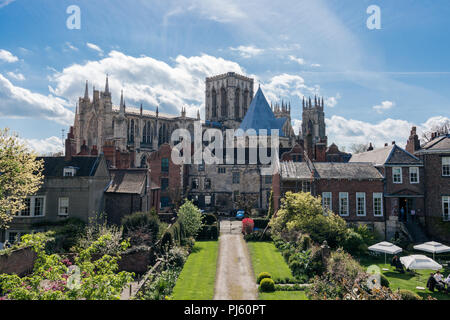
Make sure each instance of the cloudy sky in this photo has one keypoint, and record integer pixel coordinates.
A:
(376, 83)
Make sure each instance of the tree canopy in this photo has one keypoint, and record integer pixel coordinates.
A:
(20, 175)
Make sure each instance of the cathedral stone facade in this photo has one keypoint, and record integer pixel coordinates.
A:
(124, 134)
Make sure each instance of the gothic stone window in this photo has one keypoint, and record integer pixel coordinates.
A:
(223, 102)
(207, 183)
(245, 101)
(147, 133)
(214, 103)
(194, 183)
(164, 184)
(236, 103)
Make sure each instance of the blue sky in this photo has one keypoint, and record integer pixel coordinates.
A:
(377, 83)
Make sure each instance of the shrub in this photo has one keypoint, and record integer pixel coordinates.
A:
(209, 232)
(354, 243)
(267, 285)
(259, 235)
(191, 218)
(209, 219)
(409, 295)
(263, 275)
(384, 282)
(247, 225)
(141, 228)
(302, 213)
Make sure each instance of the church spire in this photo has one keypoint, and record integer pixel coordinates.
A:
(86, 92)
(107, 85)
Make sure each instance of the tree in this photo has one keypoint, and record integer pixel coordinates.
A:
(271, 209)
(20, 175)
(441, 129)
(246, 202)
(302, 213)
(191, 218)
(358, 148)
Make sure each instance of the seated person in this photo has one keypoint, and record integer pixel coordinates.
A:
(431, 283)
(397, 264)
(440, 284)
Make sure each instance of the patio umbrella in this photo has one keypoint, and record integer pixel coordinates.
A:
(385, 247)
(432, 247)
(419, 262)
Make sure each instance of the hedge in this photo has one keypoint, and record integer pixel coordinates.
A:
(209, 232)
(261, 223)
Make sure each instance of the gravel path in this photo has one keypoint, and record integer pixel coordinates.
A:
(234, 278)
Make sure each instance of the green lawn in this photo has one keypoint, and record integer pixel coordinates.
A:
(266, 258)
(283, 295)
(197, 279)
(405, 280)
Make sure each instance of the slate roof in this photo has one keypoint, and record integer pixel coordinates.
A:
(328, 170)
(441, 143)
(129, 181)
(54, 166)
(390, 155)
(259, 116)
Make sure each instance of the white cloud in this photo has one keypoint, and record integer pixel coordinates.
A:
(384, 106)
(300, 61)
(332, 101)
(8, 56)
(45, 147)
(285, 85)
(70, 46)
(248, 51)
(145, 79)
(17, 102)
(217, 10)
(346, 132)
(315, 65)
(95, 48)
(4, 3)
(16, 76)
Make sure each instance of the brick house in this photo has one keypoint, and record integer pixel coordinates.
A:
(167, 179)
(436, 158)
(403, 173)
(352, 190)
(128, 192)
(73, 188)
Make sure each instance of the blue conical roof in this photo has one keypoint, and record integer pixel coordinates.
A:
(259, 116)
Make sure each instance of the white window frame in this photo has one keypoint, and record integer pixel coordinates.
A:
(306, 186)
(33, 208)
(446, 200)
(393, 175)
(446, 163)
(329, 196)
(63, 214)
(343, 195)
(208, 203)
(361, 195)
(410, 175)
(376, 196)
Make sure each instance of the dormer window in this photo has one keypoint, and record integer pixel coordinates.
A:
(70, 172)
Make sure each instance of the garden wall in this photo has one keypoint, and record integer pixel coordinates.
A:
(18, 262)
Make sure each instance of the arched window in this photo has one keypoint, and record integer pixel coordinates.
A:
(245, 104)
(237, 101)
(144, 133)
(132, 131)
(223, 99)
(149, 132)
(214, 103)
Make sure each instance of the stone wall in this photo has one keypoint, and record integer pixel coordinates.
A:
(18, 262)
